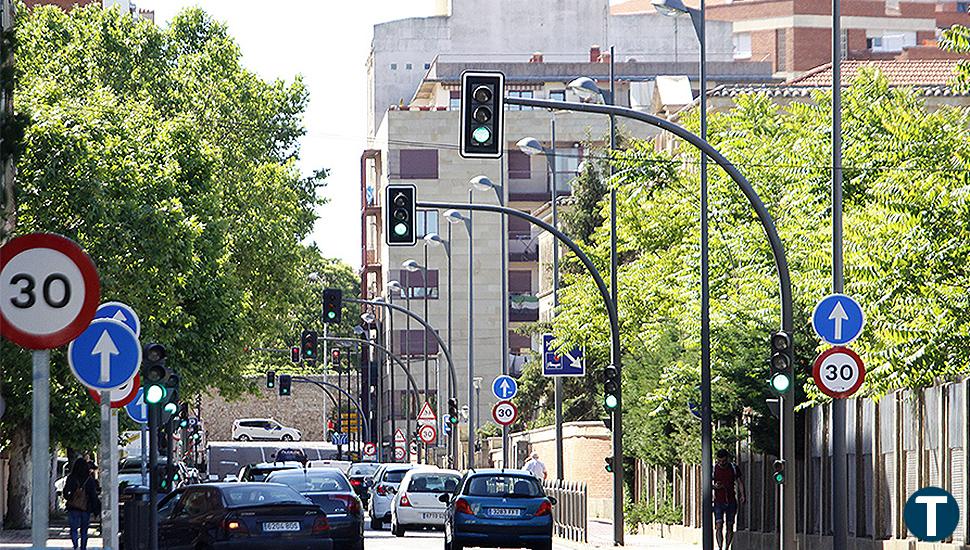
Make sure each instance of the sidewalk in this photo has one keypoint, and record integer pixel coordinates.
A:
(58, 537)
(601, 536)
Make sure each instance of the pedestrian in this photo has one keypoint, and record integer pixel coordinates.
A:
(728, 492)
(535, 467)
(81, 493)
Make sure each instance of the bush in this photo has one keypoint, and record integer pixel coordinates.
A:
(646, 512)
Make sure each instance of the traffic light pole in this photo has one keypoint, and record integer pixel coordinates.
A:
(153, 421)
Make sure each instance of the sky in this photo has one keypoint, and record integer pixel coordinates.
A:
(325, 41)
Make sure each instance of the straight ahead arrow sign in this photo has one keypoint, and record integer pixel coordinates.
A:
(838, 315)
(105, 348)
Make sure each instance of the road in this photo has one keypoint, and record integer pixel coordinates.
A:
(417, 540)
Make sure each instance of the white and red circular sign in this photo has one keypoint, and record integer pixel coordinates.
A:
(120, 396)
(370, 449)
(428, 434)
(504, 413)
(399, 453)
(49, 290)
(839, 372)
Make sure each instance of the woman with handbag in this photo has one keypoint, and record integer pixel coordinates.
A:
(81, 493)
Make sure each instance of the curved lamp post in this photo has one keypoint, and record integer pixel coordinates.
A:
(454, 217)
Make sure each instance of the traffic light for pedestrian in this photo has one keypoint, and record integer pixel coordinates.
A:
(781, 363)
(332, 304)
(285, 382)
(609, 463)
(611, 387)
(482, 109)
(308, 345)
(401, 213)
(335, 357)
(779, 474)
(271, 378)
(295, 354)
(154, 373)
(453, 411)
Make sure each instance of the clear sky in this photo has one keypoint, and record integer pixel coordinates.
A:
(326, 41)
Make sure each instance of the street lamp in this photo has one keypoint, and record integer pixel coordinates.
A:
(433, 239)
(586, 88)
(453, 217)
(412, 266)
(673, 8)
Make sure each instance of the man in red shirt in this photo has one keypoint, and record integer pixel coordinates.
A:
(728, 492)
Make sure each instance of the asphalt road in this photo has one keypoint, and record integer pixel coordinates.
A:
(416, 540)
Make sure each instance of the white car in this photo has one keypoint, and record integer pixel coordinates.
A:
(386, 481)
(416, 504)
(342, 465)
(251, 429)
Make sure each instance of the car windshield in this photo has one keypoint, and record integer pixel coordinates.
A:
(248, 495)
(363, 469)
(504, 486)
(394, 476)
(433, 483)
(311, 482)
(129, 479)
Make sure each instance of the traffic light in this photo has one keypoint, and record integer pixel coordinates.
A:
(335, 357)
(482, 110)
(332, 304)
(308, 345)
(401, 213)
(154, 373)
(170, 404)
(453, 411)
(779, 474)
(611, 387)
(781, 363)
(184, 416)
(285, 382)
(295, 354)
(271, 378)
(609, 463)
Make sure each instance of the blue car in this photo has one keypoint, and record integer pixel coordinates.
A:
(329, 489)
(497, 509)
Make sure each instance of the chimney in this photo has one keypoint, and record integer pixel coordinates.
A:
(594, 54)
(604, 57)
(536, 58)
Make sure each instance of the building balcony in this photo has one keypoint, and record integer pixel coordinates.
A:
(523, 308)
(523, 247)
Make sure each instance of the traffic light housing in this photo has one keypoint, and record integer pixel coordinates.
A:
(779, 475)
(611, 387)
(154, 373)
(332, 304)
(401, 208)
(782, 376)
(295, 354)
(308, 345)
(170, 404)
(609, 463)
(482, 112)
(285, 382)
(271, 379)
(453, 411)
(184, 416)
(335, 357)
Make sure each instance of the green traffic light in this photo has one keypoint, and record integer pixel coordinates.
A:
(779, 478)
(481, 135)
(154, 394)
(401, 229)
(183, 423)
(610, 401)
(171, 408)
(331, 314)
(780, 383)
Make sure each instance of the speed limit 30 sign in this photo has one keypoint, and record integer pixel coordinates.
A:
(49, 290)
(504, 413)
(839, 372)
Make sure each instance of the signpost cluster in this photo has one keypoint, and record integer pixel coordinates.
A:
(838, 371)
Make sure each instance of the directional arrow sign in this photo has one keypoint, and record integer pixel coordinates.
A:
(505, 387)
(120, 312)
(137, 409)
(838, 319)
(105, 356)
(121, 395)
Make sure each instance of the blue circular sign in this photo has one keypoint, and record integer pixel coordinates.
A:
(931, 514)
(120, 312)
(838, 319)
(106, 355)
(505, 387)
(137, 409)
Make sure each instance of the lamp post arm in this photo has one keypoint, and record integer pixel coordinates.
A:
(324, 385)
(395, 358)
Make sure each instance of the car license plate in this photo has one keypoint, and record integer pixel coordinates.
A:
(281, 526)
(505, 512)
(432, 515)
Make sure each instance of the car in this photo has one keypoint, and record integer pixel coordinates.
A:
(252, 429)
(416, 504)
(498, 508)
(330, 490)
(258, 472)
(386, 480)
(361, 475)
(234, 515)
(342, 465)
(290, 455)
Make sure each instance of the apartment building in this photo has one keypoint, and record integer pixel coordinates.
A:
(126, 6)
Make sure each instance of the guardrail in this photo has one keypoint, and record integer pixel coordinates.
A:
(569, 514)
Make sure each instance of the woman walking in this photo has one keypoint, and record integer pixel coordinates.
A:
(81, 493)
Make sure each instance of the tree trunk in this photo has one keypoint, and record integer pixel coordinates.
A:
(18, 496)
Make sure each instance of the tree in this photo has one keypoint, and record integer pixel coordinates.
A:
(175, 168)
(957, 39)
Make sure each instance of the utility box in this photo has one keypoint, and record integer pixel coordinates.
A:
(135, 519)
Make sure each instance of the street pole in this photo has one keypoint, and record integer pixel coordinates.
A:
(144, 454)
(453, 434)
(840, 498)
(109, 527)
(471, 339)
(40, 461)
(503, 266)
(407, 353)
(424, 336)
(553, 202)
(390, 338)
(153, 422)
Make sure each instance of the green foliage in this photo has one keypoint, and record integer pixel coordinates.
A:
(650, 512)
(957, 39)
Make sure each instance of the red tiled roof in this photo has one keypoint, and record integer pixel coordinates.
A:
(924, 72)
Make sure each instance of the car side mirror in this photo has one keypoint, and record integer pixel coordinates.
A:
(444, 497)
(552, 500)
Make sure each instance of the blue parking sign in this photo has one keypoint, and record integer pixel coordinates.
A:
(565, 364)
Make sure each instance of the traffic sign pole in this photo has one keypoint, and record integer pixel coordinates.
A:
(40, 443)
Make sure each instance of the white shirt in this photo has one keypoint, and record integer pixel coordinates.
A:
(535, 467)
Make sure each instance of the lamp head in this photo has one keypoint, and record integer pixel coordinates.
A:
(530, 146)
(411, 265)
(586, 88)
(433, 238)
(670, 8)
(358, 330)
(481, 183)
(368, 317)
(454, 216)
(395, 286)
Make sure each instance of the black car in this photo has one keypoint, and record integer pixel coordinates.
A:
(329, 489)
(259, 472)
(360, 475)
(241, 515)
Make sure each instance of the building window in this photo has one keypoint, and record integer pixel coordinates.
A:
(410, 342)
(393, 66)
(881, 41)
(520, 165)
(409, 66)
(781, 50)
(742, 45)
(411, 283)
(419, 164)
(557, 95)
(963, 7)
(567, 165)
(520, 93)
(520, 281)
(427, 222)
(454, 100)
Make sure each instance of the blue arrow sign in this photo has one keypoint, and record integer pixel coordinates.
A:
(556, 364)
(505, 387)
(137, 410)
(105, 356)
(838, 319)
(120, 312)
(340, 438)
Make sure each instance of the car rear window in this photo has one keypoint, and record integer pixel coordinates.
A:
(362, 470)
(394, 476)
(248, 495)
(433, 483)
(259, 474)
(311, 482)
(504, 486)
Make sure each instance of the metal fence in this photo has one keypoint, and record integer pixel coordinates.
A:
(569, 514)
(904, 441)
